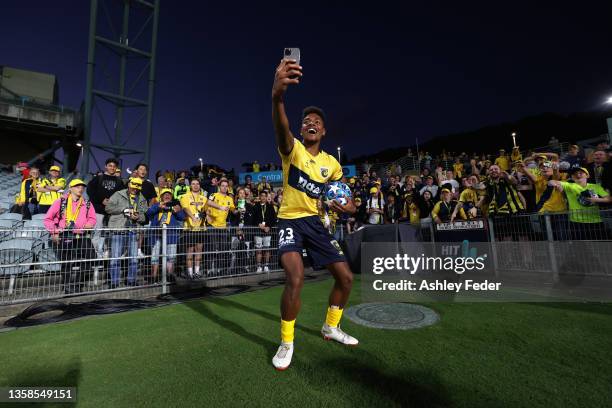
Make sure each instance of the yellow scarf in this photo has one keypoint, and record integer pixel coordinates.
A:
(168, 215)
(71, 214)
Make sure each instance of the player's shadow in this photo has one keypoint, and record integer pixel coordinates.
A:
(407, 389)
(200, 307)
(65, 374)
(274, 318)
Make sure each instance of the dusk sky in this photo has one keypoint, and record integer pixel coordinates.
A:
(384, 75)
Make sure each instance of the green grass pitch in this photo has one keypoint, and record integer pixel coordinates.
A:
(217, 351)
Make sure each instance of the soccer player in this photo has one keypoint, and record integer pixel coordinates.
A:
(306, 169)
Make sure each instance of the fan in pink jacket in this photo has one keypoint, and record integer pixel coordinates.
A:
(55, 220)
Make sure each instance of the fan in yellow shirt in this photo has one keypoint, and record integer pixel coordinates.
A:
(548, 199)
(50, 189)
(217, 217)
(194, 203)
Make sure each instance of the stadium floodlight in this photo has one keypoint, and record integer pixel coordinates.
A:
(79, 145)
(609, 101)
(339, 148)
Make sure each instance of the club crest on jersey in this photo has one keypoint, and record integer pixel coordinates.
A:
(324, 171)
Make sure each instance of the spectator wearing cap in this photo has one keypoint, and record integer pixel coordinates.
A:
(68, 220)
(503, 161)
(375, 207)
(167, 212)
(573, 157)
(99, 191)
(429, 186)
(23, 168)
(28, 196)
(50, 189)
(127, 209)
(444, 210)
(181, 188)
(583, 200)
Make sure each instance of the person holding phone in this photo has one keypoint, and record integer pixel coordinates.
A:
(306, 169)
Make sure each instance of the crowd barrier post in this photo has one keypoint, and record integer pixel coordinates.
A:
(551, 248)
(164, 259)
(493, 246)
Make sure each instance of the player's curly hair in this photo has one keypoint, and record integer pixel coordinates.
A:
(314, 109)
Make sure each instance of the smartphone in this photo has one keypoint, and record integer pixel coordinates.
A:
(292, 54)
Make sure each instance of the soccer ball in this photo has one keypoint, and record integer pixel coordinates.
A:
(337, 190)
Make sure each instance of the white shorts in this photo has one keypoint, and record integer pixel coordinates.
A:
(263, 242)
(156, 250)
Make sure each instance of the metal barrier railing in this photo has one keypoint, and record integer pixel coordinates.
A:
(35, 264)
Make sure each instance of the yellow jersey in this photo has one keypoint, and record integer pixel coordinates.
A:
(196, 203)
(49, 197)
(468, 196)
(218, 218)
(304, 178)
(553, 201)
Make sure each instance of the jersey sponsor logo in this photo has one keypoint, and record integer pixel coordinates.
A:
(302, 182)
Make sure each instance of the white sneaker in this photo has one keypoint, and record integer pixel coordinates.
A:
(282, 358)
(259, 270)
(140, 254)
(266, 269)
(335, 333)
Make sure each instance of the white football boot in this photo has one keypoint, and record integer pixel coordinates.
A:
(335, 333)
(282, 358)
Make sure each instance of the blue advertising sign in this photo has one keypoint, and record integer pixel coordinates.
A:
(276, 177)
(273, 177)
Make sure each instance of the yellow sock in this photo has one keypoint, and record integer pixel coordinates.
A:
(287, 330)
(334, 314)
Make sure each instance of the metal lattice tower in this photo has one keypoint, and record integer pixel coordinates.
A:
(123, 97)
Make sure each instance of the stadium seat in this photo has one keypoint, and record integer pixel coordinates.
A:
(11, 216)
(46, 256)
(38, 217)
(16, 251)
(33, 229)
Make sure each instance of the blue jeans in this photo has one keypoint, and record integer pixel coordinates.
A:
(118, 243)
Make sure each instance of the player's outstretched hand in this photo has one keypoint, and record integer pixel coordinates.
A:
(287, 72)
(349, 208)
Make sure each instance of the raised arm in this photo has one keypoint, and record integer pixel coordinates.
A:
(282, 79)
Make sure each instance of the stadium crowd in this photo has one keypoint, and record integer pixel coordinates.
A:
(211, 216)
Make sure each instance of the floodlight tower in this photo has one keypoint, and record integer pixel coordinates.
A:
(120, 88)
